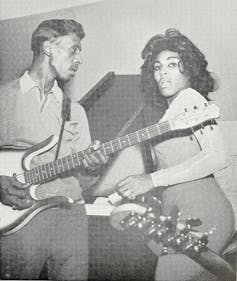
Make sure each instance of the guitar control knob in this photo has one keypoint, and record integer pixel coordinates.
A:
(164, 251)
(196, 248)
(178, 241)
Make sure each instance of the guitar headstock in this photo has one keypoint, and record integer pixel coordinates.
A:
(171, 231)
(195, 116)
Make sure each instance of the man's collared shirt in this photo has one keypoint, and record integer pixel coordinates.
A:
(27, 120)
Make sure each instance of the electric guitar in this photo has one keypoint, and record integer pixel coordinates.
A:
(18, 163)
(171, 233)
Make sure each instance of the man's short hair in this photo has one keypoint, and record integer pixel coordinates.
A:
(49, 30)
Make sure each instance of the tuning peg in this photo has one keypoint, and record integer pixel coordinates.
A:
(195, 107)
(164, 251)
(196, 248)
(178, 241)
(193, 221)
(151, 230)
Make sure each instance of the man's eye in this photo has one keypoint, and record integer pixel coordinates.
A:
(74, 50)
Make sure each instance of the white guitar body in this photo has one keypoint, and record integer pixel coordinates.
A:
(17, 162)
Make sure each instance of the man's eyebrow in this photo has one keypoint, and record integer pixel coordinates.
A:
(76, 45)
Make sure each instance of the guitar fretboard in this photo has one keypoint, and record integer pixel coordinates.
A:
(73, 161)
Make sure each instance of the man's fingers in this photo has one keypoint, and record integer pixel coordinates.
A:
(25, 203)
(18, 203)
(88, 162)
(98, 153)
(102, 157)
(18, 184)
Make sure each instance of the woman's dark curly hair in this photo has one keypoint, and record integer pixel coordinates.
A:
(193, 60)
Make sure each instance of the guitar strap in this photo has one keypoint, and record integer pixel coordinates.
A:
(130, 120)
(66, 116)
(147, 151)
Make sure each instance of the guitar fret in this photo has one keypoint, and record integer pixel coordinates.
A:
(103, 148)
(27, 177)
(164, 127)
(47, 170)
(108, 149)
(52, 170)
(79, 156)
(70, 162)
(36, 175)
(116, 145)
(133, 139)
(66, 164)
(120, 144)
(148, 133)
(60, 166)
(41, 178)
(111, 145)
(142, 135)
(32, 175)
(154, 131)
(56, 168)
(75, 161)
(124, 141)
(44, 172)
(137, 135)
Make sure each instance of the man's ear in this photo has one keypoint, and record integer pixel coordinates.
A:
(47, 48)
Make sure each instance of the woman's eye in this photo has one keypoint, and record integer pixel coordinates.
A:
(157, 67)
(172, 64)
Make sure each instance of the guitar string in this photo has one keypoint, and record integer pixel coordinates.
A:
(81, 153)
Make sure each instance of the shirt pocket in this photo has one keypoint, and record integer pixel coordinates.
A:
(71, 130)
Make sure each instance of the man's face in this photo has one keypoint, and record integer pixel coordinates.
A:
(65, 56)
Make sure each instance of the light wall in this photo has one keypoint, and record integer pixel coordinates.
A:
(117, 30)
(19, 8)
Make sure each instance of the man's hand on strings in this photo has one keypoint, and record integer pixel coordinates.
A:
(15, 194)
(94, 158)
(133, 186)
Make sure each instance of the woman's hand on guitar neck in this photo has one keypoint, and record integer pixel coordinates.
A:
(15, 194)
(133, 186)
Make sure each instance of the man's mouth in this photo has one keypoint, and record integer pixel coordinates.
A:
(74, 68)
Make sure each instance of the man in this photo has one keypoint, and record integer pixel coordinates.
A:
(31, 111)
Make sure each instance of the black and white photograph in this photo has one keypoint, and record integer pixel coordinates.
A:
(118, 151)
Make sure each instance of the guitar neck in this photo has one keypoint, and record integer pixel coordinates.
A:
(213, 263)
(135, 137)
(65, 164)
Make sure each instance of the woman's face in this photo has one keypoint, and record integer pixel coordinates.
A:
(168, 73)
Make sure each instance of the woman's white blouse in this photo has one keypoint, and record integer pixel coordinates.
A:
(212, 155)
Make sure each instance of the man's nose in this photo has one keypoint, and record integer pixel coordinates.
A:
(78, 58)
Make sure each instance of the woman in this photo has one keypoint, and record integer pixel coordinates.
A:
(175, 76)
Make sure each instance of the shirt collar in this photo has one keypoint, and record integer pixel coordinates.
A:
(27, 83)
